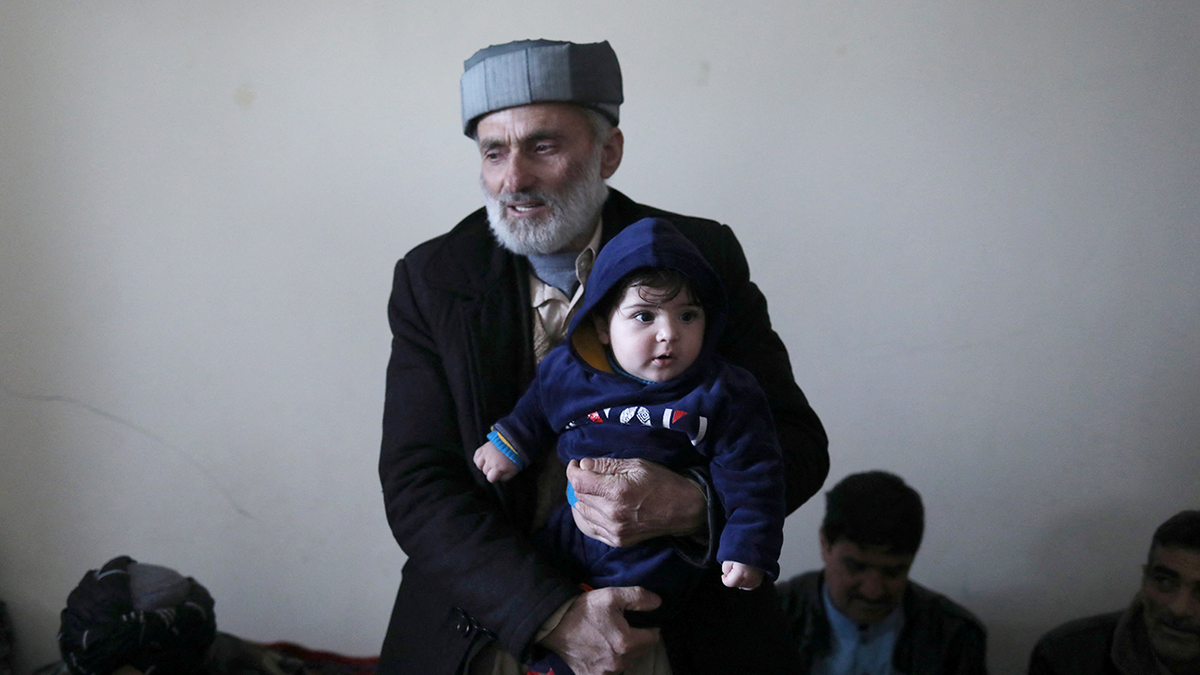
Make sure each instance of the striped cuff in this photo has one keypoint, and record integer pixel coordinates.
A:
(505, 447)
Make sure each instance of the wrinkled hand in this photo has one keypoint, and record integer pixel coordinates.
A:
(623, 502)
(593, 636)
(494, 464)
(737, 575)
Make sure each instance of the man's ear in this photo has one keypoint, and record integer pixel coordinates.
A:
(824, 542)
(601, 324)
(611, 153)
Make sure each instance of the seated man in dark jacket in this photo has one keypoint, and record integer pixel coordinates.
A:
(1158, 633)
(861, 614)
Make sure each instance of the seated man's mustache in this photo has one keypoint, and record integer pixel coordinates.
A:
(1178, 623)
(881, 601)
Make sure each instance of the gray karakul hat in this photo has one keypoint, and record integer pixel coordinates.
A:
(540, 71)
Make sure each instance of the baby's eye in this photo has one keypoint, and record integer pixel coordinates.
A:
(644, 317)
(690, 316)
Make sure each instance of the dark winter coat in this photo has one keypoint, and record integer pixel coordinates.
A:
(462, 355)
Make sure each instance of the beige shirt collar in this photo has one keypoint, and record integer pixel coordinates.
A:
(552, 308)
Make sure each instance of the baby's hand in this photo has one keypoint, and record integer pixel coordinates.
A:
(737, 575)
(494, 464)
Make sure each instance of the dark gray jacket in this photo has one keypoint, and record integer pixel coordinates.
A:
(1106, 644)
(1077, 647)
(939, 636)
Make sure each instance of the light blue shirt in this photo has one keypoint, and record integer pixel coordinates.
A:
(858, 651)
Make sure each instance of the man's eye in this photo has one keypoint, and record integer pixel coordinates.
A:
(543, 147)
(1164, 584)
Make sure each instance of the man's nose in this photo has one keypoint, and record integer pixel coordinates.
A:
(517, 176)
(1185, 605)
(871, 587)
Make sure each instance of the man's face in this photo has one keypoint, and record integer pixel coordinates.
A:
(1170, 598)
(865, 583)
(543, 176)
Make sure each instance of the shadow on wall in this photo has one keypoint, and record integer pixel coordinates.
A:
(1085, 562)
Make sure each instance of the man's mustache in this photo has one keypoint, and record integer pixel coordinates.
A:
(527, 196)
(1177, 623)
(880, 602)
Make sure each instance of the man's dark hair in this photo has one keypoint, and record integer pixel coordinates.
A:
(1181, 530)
(875, 508)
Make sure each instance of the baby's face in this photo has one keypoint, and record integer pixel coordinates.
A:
(651, 338)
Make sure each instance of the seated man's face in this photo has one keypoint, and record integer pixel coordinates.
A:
(1170, 597)
(866, 583)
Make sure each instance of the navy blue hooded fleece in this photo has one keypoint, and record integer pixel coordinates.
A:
(714, 413)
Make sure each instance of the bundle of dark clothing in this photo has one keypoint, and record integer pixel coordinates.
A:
(156, 621)
(144, 616)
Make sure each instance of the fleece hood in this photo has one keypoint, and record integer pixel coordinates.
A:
(650, 242)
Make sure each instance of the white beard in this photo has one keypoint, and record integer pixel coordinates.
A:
(573, 212)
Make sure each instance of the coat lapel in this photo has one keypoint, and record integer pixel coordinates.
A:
(493, 319)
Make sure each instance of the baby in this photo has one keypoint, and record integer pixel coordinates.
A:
(637, 377)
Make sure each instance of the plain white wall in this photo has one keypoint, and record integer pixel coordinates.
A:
(978, 225)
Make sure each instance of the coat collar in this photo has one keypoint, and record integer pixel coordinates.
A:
(1132, 653)
(817, 636)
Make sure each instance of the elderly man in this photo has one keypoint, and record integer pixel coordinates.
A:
(861, 615)
(1158, 633)
(471, 313)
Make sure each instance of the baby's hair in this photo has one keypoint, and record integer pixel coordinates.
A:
(664, 282)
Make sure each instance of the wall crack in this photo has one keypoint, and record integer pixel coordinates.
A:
(134, 427)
